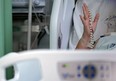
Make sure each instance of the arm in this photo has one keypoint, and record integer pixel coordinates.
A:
(83, 42)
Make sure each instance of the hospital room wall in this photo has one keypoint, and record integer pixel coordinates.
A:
(5, 26)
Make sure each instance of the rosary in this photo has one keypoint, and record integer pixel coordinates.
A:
(91, 42)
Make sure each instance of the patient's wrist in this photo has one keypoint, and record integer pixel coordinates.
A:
(86, 37)
(82, 44)
(85, 41)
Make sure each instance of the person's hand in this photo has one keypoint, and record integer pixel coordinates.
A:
(83, 42)
(86, 23)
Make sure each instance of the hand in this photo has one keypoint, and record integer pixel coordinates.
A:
(86, 22)
(83, 42)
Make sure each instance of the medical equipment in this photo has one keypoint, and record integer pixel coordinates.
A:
(21, 6)
(37, 14)
(91, 43)
(60, 66)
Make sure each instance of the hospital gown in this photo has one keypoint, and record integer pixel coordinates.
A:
(106, 43)
(106, 23)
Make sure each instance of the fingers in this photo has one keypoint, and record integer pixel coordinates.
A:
(85, 11)
(85, 18)
(96, 18)
(95, 21)
(86, 8)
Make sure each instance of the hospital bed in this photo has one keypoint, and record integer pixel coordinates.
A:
(60, 66)
(60, 23)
